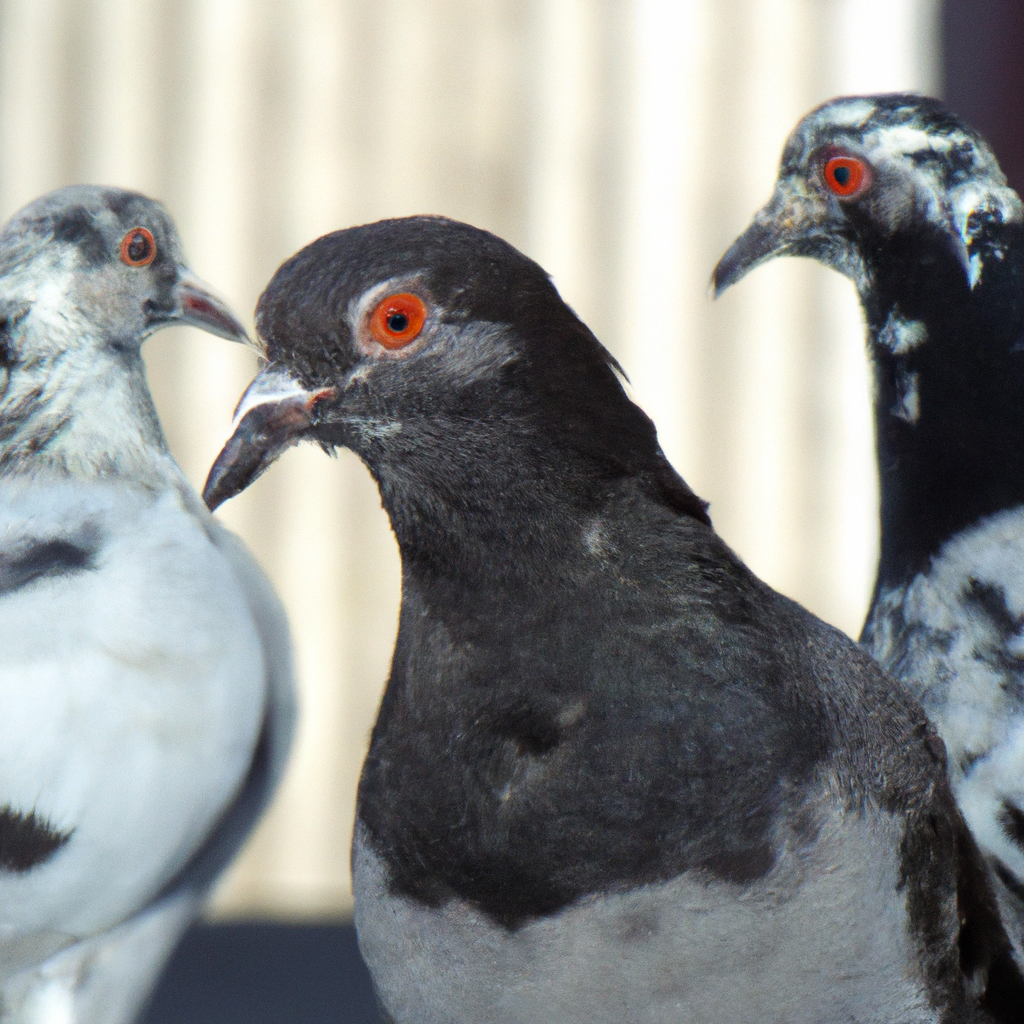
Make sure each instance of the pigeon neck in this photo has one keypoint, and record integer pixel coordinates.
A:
(504, 509)
(83, 413)
(501, 502)
(949, 393)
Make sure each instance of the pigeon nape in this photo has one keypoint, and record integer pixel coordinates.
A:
(932, 236)
(615, 777)
(145, 688)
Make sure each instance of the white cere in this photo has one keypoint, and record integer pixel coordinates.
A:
(272, 388)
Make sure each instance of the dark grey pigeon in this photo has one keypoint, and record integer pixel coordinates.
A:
(145, 694)
(927, 228)
(615, 778)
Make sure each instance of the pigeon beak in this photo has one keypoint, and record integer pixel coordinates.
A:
(760, 242)
(273, 414)
(196, 305)
(792, 222)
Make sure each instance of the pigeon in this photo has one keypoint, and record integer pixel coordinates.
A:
(900, 195)
(145, 690)
(614, 776)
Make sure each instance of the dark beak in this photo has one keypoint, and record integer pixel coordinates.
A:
(760, 242)
(275, 412)
(196, 305)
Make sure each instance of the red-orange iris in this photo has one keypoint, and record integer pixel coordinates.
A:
(845, 175)
(138, 248)
(398, 320)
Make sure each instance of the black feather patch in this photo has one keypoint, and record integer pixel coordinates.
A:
(991, 600)
(27, 840)
(45, 558)
(75, 225)
(1012, 820)
(119, 201)
(6, 353)
(10, 318)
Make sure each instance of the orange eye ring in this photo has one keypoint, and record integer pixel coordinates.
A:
(398, 320)
(138, 248)
(845, 175)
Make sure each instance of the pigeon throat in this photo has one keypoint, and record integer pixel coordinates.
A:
(511, 504)
(82, 414)
(516, 489)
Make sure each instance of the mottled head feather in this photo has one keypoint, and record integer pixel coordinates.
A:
(929, 170)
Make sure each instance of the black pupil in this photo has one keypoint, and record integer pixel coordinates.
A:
(138, 247)
(842, 176)
(397, 322)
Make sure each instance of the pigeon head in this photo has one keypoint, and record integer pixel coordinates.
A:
(112, 260)
(447, 361)
(900, 195)
(862, 177)
(86, 275)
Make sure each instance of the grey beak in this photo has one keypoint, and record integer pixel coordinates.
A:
(196, 305)
(273, 414)
(760, 242)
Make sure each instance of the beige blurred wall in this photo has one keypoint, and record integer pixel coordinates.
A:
(621, 144)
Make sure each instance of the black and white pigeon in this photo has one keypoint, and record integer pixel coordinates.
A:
(900, 195)
(614, 777)
(145, 694)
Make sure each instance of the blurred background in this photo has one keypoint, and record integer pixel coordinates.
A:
(621, 143)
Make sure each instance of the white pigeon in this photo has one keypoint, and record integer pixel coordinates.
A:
(146, 704)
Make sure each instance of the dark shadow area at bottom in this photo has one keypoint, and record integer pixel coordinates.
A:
(265, 974)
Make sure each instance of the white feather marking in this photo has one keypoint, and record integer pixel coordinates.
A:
(75, 405)
(595, 539)
(848, 113)
(908, 397)
(900, 335)
(983, 194)
(974, 268)
(52, 1002)
(937, 637)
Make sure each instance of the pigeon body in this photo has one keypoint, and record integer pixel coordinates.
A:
(145, 705)
(933, 238)
(614, 777)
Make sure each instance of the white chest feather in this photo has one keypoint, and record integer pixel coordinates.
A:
(131, 696)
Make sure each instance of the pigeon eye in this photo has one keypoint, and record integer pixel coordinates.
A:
(845, 175)
(138, 248)
(398, 320)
